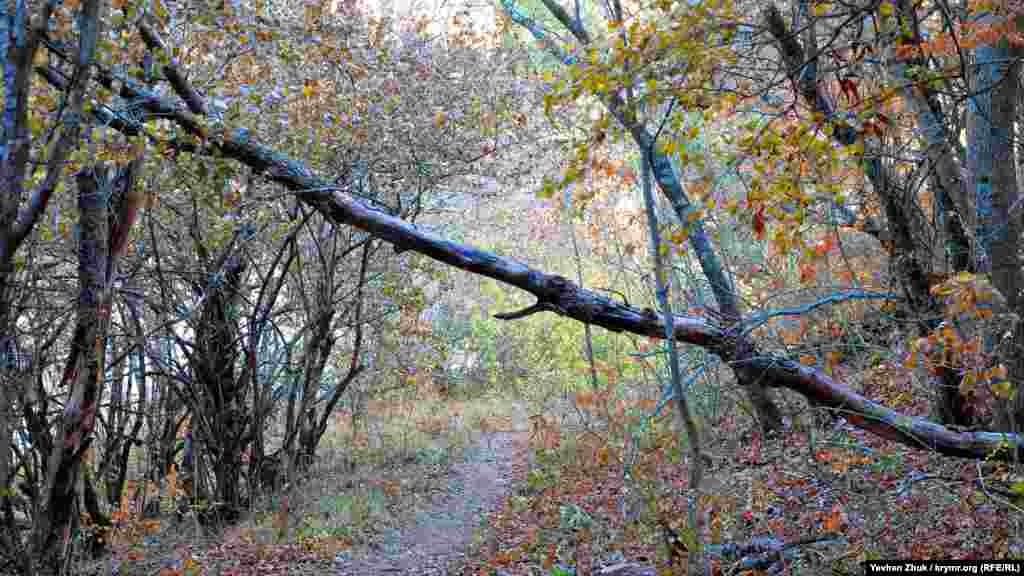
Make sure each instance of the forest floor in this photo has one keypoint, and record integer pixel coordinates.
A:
(455, 519)
(411, 490)
(479, 487)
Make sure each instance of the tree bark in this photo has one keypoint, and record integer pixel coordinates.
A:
(1006, 226)
(84, 368)
(556, 294)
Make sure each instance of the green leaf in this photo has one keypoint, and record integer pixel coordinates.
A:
(547, 191)
(1017, 488)
(689, 538)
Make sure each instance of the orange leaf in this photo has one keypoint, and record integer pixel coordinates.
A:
(549, 560)
(584, 399)
(834, 520)
(506, 558)
(808, 272)
(999, 372)
(759, 223)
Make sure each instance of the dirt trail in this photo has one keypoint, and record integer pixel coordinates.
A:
(445, 531)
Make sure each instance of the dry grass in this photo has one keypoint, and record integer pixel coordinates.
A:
(372, 474)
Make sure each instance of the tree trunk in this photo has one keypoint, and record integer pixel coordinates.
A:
(1006, 227)
(557, 294)
(100, 522)
(83, 371)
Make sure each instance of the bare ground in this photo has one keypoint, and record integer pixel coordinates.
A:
(455, 519)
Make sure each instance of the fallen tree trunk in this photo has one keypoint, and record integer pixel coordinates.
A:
(553, 293)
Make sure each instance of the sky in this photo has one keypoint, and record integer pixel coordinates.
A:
(480, 11)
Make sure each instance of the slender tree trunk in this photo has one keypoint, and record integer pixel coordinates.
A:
(1006, 227)
(83, 371)
(588, 337)
(692, 441)
(668, 183)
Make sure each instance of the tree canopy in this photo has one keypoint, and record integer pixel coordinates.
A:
(198, 197)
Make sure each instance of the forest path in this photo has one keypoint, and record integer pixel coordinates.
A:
(456, 518)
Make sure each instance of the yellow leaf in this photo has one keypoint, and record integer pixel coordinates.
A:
(999, 372)
(968, 382)
(36, 125)
(1004, 390)
(886, 9)
(1017, 488)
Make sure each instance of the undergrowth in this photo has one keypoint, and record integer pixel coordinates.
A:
(607, 485)
(604, 489)
(372, 474)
